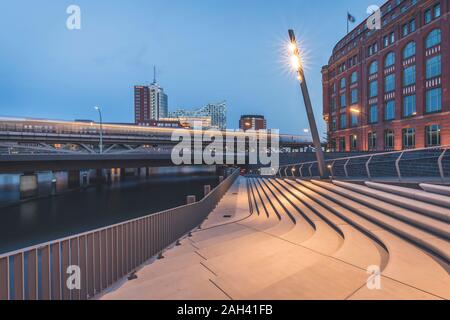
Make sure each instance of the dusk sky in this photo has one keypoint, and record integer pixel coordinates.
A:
(204, 50)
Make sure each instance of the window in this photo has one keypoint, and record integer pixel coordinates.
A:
(409, 76)
(434, 100)
(373, 89)
(433, 67)
(389, 140)
(354, 96)
(343, 101)
(333, 124)
(354, 119)
(372, 141)
(412, 25)
(389, 83)
(373, 113)
(433, 135)
(409, 106)
(342, 144)
(427, 16)
(405, 30)
(354, 77)
(353, 142)
(333, 105)
(437, 11)
(389, 60)
(389, 110)
(373, 68)
(409, 138)
(409, 50)
(343, 83)
(343, 124)
(433, 38)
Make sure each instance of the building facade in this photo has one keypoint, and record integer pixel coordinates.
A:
(252, 122)
(388, 89)
(150, 103)
(217, 112)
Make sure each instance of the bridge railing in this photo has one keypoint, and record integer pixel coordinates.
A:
(101, 257)
(431, 162)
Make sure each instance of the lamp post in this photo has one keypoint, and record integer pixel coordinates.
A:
(101, 128)
(297, 64)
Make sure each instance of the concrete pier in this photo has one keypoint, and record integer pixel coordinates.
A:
(28, 185)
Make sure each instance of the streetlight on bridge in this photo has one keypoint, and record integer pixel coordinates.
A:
(101, 128)
(298, 67)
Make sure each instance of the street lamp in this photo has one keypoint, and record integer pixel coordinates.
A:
(101, 128)
(297, 65)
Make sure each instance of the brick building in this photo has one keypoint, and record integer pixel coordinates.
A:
(388, 89)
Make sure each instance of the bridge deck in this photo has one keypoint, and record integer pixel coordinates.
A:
(291, 247)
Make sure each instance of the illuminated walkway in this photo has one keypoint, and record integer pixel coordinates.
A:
(304, 240)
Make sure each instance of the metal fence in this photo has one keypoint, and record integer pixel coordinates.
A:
(103, 256)
(415, 163)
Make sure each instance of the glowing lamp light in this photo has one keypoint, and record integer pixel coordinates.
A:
(295, 62)
(292, 47)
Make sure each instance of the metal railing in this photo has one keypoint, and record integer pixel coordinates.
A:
(431, 162)
(103, 256)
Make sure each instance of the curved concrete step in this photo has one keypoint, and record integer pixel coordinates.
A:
(426, 209)
(433, 188)
(407, 263)
(419, 195)
(435, 226)
(417, 236)
(326, 239)
(303, 230)
(359, 247)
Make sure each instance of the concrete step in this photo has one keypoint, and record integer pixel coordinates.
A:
(407, 264)
(417, 236)
(371, 199)
(419, 195)
(433, 188)
(303, 230)
(424, 208)
(359, 247)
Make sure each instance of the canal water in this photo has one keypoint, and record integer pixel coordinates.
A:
(48, 218)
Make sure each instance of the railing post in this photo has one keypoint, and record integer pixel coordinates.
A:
(345, 167)
(285, 172)
(397, 166)
(310, 170)
(332, 170)
(368, 169)
(300, 170)
(441, 168)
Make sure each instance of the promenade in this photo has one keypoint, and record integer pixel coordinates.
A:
(284, 239)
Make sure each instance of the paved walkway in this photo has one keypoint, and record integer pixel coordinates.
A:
(267, 255)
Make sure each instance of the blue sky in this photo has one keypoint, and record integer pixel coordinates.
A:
(205, 51)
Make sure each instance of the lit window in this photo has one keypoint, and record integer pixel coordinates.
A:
(409, 106)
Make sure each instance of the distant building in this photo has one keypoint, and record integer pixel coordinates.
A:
(150, 103)
(191, 122)
(252, 122)
(217, 112)
(162, 123)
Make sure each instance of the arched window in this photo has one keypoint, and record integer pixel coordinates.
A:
(373, 68)
(433, 38)
(409, 50)
(389, 60)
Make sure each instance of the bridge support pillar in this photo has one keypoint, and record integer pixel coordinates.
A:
(74, 178)
(28, 185)
(207, 190)
(191, 199)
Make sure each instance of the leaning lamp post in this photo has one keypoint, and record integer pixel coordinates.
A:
(297, 64)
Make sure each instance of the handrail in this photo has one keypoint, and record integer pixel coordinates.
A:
(104, 255)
